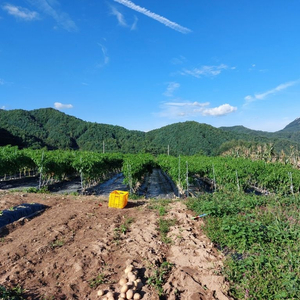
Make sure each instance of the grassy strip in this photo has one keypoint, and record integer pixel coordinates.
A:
(261, 233)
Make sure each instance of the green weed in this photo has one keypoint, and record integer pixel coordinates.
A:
(122, 229)
(42, 190)
(15, 293)
(160, 205)
(57, 243)
(164, 227)
(99, 279)
(260, 235)
(133, 196)
(159, 277)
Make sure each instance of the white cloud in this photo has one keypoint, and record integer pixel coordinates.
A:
(221, 110)
(277, 89)
(194, 109)
(119, 16)
(154, 16)
(208, 71)
(172, 86)
(187, 104)
(61, 18)
(3, 107)
(105, 56)
(59, 105)
(20, 12)
(134, 24)
(121, 19)
(249, 98)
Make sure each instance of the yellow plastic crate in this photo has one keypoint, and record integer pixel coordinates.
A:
(118, 199)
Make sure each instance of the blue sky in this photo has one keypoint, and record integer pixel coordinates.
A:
(144, 64)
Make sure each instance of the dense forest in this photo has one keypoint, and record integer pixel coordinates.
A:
(53, 129)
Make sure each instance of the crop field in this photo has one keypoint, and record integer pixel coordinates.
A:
(244, 245)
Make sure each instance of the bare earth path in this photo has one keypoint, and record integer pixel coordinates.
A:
(61, 253)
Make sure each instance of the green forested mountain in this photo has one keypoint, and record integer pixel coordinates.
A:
(244, 130)
(56, 130)
(290, 132)
(189, 137)
(292, 127)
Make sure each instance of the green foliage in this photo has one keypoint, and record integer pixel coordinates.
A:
(135, 167)
(159, 277)
(164, 228)
(42, 190)
(160, 205)
(15, 293)
(94, 166)
(232, 174)
(57, 244)
(122, 229)
(99, 279)
(13, 161)
(261, 234)
(225, 203)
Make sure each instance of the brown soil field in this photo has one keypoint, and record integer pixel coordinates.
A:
(79, 246)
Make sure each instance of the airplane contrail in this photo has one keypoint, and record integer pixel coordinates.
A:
(154, 16)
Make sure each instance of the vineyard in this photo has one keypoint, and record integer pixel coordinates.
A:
(250, 208)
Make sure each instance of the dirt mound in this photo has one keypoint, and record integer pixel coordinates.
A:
(79, 245)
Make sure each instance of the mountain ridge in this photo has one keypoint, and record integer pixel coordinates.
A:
(47, 127)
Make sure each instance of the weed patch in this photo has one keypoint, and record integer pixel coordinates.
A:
(14, 293)
(159, 277)
(57, 244)
(42, 190)
(122, 229)
(160, 205)
(99, 279)
(164, 227)
(261, 235)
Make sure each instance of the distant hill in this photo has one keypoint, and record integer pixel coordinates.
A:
(292, 127)
(190, 137)
(56, 130)
(243, 130)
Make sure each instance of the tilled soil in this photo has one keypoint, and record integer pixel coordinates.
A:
(64, 252)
